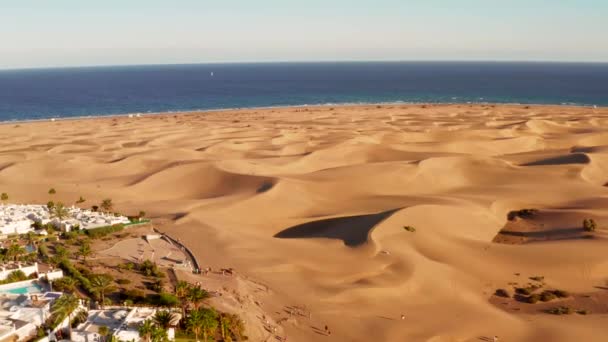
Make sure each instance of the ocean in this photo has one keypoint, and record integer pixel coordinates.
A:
(31, 94)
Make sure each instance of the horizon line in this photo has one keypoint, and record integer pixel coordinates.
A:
(531, 61)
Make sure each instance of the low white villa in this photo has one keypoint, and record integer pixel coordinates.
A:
(122, 322)
(20, 315)
(18, 218)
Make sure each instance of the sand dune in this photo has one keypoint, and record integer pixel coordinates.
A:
(313, 203)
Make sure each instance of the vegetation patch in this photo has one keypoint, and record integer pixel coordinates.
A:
(546, 296)
(589, 225)
(526, 291)
(502, 293)
(560, 310)
(409, 229)
(96, 233)
(523, 213)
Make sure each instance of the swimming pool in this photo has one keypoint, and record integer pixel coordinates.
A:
(24, 289)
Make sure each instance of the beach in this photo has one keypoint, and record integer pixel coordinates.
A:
(383, 222)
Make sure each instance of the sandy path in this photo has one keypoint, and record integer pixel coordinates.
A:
(312, 203)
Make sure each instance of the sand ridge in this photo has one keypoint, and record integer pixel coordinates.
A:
(312, 201)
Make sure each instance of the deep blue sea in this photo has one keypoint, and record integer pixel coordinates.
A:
(70, 92)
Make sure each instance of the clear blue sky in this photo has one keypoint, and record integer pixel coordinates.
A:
(35, 33)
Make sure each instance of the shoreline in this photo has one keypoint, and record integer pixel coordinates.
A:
(323, 105)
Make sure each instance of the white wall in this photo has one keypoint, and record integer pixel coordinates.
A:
(28, 270)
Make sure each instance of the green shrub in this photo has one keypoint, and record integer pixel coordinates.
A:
(70, 270)
(167, 299)
(43, 252)
(150, 269)
(134, 295)
(103, 231)
(72, 235)
(560, 310)
(526, 291)
(589, 225)
(546, 296)
(16, 275)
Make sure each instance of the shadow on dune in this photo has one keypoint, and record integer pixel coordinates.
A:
(574, 158)
(352, 230)
(548, 234)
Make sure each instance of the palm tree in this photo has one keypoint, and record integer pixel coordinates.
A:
(60, 211)
(65, 306)
(163, 318)
(231, 325)
(181, 292)
(103, 331)
(31, 239)
(145, 330)
(159, 334)
(194, 323)
(202, 321)
(61, 252)
(235, 325)
(209, 320)
(15, 251)
(225, 327)
(196, 296)
(67, 284)
(106, 205)
(84, 251)
(100, 285)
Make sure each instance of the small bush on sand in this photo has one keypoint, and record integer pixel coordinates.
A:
(547, 296)
(561, 293)
(134, 295)
(526, 291)
(523, 213)
(589, 225)
(534, 298)
(582, 312)
(537, 278)
(122, 281)
(560, 310)
(409, 229)
(502, 293)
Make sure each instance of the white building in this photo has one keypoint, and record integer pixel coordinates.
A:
(123, 324)
(5, 270)
(21, 315)
(19, 218)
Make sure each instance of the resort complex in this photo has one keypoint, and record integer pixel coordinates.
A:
(74, 274)
(24, 218)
